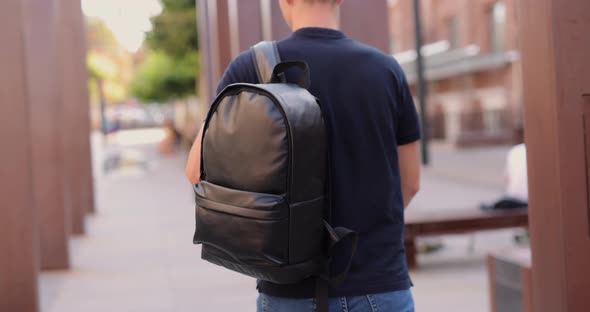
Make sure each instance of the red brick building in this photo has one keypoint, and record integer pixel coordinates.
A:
(472, 66)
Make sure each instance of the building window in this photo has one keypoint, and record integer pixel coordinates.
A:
(453, 32)
(492, 120)
(497, 27)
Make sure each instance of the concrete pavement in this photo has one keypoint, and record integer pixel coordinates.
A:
(138, 253)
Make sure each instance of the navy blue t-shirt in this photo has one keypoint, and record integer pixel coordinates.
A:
(369, 113)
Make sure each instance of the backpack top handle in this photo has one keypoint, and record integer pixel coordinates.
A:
(270, 68)
(279, 73)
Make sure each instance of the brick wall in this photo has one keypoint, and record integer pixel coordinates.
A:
(472, 18)
(475, 107)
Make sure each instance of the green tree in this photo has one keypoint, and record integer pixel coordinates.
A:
(109, 64)
(169, 71)
(174, 31)
(100, 37)
(161, 78)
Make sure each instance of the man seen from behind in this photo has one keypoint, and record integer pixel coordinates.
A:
(373, 132)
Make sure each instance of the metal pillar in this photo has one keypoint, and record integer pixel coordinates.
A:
(223, 35)
(245, 19)
(74, 112)
(18, 263)
(45, 121)
(422, 83)
(83, 108)
(214, 42)
(556, 84)
(206, 89)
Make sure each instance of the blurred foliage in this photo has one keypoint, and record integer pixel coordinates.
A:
(101, 66)
(174, 31)
(100, 37)
(161, 78)
(169, 70)
(108, 63)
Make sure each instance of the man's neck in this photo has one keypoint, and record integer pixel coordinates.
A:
(320, 17)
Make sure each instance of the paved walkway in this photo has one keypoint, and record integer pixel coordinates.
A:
(138, 255)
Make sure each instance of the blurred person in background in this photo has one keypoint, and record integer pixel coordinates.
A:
(374, 131)
(516, 194)
(516, 171)
(172, 140)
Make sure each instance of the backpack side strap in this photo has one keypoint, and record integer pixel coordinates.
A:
(340, 236)
(265, 56)
(336, 237)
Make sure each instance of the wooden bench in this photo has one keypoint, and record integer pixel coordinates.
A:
(457, 222)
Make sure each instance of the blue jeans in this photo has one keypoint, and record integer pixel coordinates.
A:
(398, 301)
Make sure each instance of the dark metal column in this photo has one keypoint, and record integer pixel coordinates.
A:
(556, 77)
(246, 24)
(422, 83)
(45, 120)
(73, 112)
(215, 42)
(223, 36)
(18, 243)
(273, 24)
(207, 91)
(83, 100)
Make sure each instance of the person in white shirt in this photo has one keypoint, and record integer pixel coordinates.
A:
(516, 194)
(516, 174)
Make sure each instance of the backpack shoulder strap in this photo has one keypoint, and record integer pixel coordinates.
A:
(266, 56)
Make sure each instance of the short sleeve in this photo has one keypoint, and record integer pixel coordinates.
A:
(408, 124)
(240, 70)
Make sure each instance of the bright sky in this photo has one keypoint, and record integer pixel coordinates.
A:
(128, 19)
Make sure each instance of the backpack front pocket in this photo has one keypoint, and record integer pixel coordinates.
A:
(243, 227)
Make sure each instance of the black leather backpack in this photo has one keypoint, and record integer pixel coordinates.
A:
(263, 203)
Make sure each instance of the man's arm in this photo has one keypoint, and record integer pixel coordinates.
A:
(193, 164)
(409, 168)
(407, 138)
